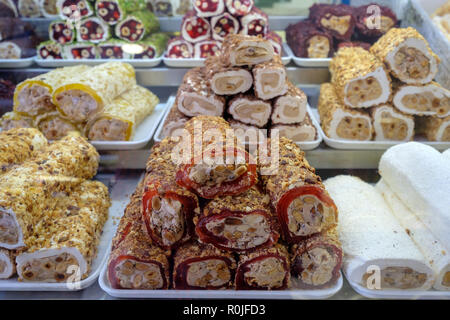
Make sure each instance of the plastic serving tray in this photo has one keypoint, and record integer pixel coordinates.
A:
(56, 63)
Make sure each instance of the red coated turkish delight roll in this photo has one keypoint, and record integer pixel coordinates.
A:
(208, 8)
(264, 269)
(239, 7)
(61, 32)
(316, 261)
(366, 20)
(276, 41)
(179, 48)
(339, 19)
(307, 41)
(302, 204)
(255, 23)
(194, 28)
(241, 223)
(207, 48)
(218, 167)
(201, 266)
(224, 25)
(110, 11)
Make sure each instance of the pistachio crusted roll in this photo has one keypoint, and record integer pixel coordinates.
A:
(168, 209)
(391, 124)
(316, 261)
(241, 223)
(241, 50)
(11, 120)
(302, 203)
(195, 97)
(202, 266)
(53, 126)
(264, 269)
(339, 121)
(270, 79)
(7, 264)
(290, 107)
(218, 167)
(303, 131)
(407, 55)
(175, 120)
(49, 50)
(67, 237)
(359, 78)
(249, 109)
(435, 129)
(80, 50)
(87, 93)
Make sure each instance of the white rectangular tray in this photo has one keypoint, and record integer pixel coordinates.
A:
(56, 63)
(142, 136)
(16, 63)
(371, 145)
(199, 62)
(115, 212)
(307, 145)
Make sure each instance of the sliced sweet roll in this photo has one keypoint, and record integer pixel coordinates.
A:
(223, 25)
(241, 50)
(207, 48)
(7, 264)
(49, 50)
(92, 29)
(269, 79)
(53, 126)
(136, 26)
(255, 23)
(69, 9)
(11, 120)
(29, 8)
(113, 49)
(239, 7)
(195, 28)
(248, 134)
(306, 41)
(339, 20)
(303, 131)
(17, 48)
(110, 11)
(289, 108)
(61, 32)
(435, 129)
(175, 120)
(208, 8)
(248, 109)
(151, 47)
(179, 48)
(391, 124)
(80, 50)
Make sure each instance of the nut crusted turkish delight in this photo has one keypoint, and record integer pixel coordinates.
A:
(92, 29)
(11, 120)
(264, 269)
(429, 100)
(175, 120)
(407, 55)
(249, 109)
(339, 121)
(359, 78)
(269, 79)
(366, 23)
(179, 48)
(240, 50)
(207, 48)
(136, 26)
(17, 48)
(339, 20)
(223, 25)
(435, 129)
(391, 124)
(194, 28)
(239, 7)
(289, 108)
(7, 263)
(240, 223)
(307, 41)
(195, 96)
(200, 266)
(208, 8)
(49, 50)
(303, 131)
(61, 32)
(255, 23)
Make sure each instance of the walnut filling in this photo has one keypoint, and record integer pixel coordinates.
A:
(268, 272)
(251, 112)
(305, 215)
(316, 266)
(362, 90)
(318, 47)
(446, 279)
(225, 84)
(340, 24)
(400, 278)
(49, 269)
(198, 106)
(76, 104)
(270, 81)
(248, 231)
(386, 23)
(393, 128)
(167, 219)
(211, 272)
(247, 55)
(108, 130)
(34, 99)
(132, 274)
(354, 128)
(55, 128)
(301, 133)
(9, 233)
(8, 124)
(446, 134)
(211, 175)
(427, 101)
(290, 111)
(411, 63)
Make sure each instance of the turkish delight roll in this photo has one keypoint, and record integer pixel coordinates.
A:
(391, 124)
(407, 55)
(248, 134)
(49, 50)
(168, 209)
(374, 20)
(303, 131)
(61, 32)
(223, 25)
(433, 249)
(435, 129)
(209, 8)
(226, 80)
(73, 9)
(7, 264)
(241, 50)
(92, 29)
(239, 7)
(249, 109)
(111, 11)
(264, 269)
(207, 48)
(33, 96)
(195, 28)
(255, 23)
(339, 19)
(219, 166)
(179, 48)
(276, 41)
(17, 48)
(339, 121)
(269, 79)
(80, 50)
(195, 96)
(18, 145)
(307, 41)
(302, 203)
(152, 46)
(316, 261)
(241, 223)
(378, 252)
(360, 79)
(289, 108)
(67, 239)
(53, 126)
(49, 8)
(85, 94)
(113, 49)
(13, 119)
(136, 26)
(430, 99)
(201, 266)
(29, 8)
(119, 120)
(175, 120)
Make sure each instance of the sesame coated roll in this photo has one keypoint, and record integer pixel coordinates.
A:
(241, 50)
